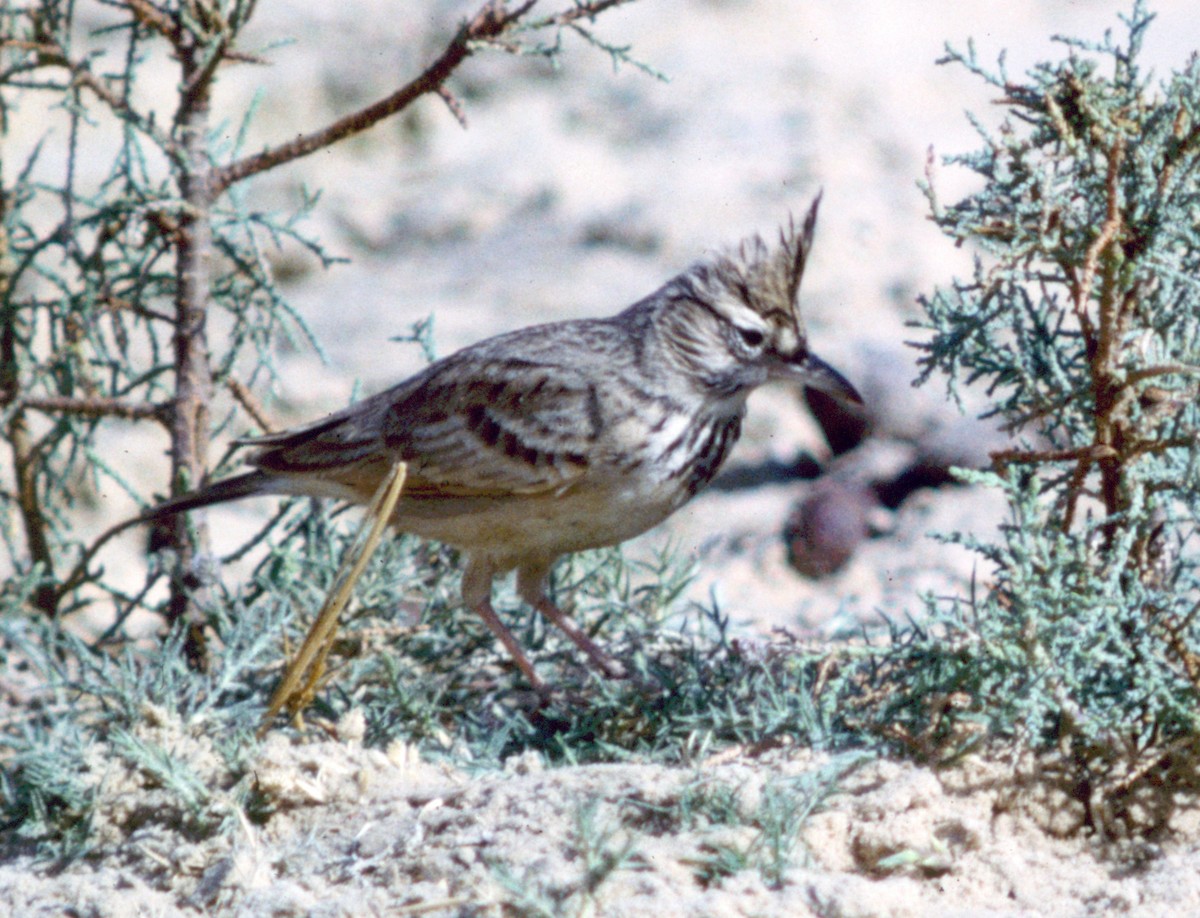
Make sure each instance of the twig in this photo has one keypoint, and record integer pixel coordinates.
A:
(1092, 453)
(154, 19)
(79, 572)
(436, 905)
(1157, 447)
(82, 76)
(488, 23)
(253, 407)
(54, 55)
(1084, 457)
(453, 103)
(588, 11)
(1166, 369)
(93, 407)
(1185, 146)
(1108, 232)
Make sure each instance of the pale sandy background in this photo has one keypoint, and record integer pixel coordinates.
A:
(574, 193)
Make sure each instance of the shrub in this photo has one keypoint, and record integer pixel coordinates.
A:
(1081, 643)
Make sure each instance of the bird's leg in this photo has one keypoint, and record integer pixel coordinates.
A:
(477, 594)
(530, 582)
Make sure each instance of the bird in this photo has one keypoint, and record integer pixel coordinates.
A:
(561, 437)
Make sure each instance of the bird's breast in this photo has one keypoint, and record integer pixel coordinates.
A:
(688, 457)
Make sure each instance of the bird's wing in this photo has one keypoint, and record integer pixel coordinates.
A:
(470, 425)
(340, 441)
(488, 427)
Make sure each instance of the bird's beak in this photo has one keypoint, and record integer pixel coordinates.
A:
(815, 372)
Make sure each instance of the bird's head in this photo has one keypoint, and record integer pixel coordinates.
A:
(735, 317)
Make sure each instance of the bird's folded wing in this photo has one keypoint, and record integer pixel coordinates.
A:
(467, 426)
(348, 438)
(483, 427)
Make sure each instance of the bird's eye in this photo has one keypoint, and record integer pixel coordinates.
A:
(752, 337)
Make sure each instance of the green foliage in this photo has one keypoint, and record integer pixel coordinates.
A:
(97, 729)
(421, 671)
(1082, 319)
(439, 680)
(136, 283)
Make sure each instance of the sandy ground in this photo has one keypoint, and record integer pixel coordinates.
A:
(574, 193)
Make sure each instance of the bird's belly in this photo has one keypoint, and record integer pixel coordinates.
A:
(616, 499)
(543, 525)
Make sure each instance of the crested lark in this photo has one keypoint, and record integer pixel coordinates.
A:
(566, 436)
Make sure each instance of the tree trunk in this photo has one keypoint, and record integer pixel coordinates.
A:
(193, 373)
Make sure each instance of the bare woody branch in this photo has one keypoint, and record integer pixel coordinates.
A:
(1090, 453)
(80, 572)
(154, 19)
(453, 104)
(492, 20)
(588, 11)
(93, 407)
(1166, 369)
(253, 407)
(1109, 327)
(1082, 292)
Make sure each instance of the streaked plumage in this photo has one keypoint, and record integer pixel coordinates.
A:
(566, 436)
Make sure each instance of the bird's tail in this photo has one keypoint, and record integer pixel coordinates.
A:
(216, 493)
